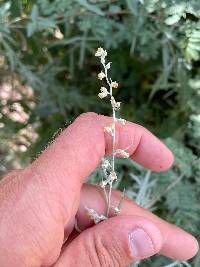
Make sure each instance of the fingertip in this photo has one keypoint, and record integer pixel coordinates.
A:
(180, 245)
(167, 162)
(87, 116)
(193, 248)
(153, 154)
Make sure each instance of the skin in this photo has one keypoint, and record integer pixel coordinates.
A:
(38, 205)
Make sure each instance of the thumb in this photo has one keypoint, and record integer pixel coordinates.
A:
(118, 241)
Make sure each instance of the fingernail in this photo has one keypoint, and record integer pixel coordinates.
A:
(140, 243)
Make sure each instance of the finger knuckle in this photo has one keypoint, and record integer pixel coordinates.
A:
(87, 116)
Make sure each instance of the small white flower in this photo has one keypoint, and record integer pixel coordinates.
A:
(122, 152)
(102, 95)
(95, 216)
(101, 75)
(115, 105)
(104, 92)
(112, 176)
(101, 52)
(114, 84)
(103, 183)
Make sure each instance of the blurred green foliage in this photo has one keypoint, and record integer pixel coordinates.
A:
(48, 74)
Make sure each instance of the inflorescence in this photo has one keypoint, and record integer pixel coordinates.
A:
(108, 165)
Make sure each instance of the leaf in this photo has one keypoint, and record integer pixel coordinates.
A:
(172, 19)
(4, 8)
(192, 54)
(10, 54)
(178, 9)
(30, 29)
(132, 5)
(195, 84)
(195, 34)
(34, 13)
(195, 40)
(93, 8)
(108, 66)
(114, 9)
(70, 41)
(46, 23)
(194, 46)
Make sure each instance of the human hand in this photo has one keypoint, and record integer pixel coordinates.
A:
(38, 205)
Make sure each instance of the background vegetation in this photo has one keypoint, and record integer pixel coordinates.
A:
(48, 77)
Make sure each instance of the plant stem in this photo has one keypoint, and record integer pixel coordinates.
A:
(113, 142)
(106, 197)
(109, 199)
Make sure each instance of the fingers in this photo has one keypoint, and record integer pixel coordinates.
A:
(177, 244)
(115, 242)
(144, 147)
(65, 164)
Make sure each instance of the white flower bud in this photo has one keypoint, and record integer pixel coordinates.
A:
(104, 92)
(95, 216)
(99, 52)
(115, 105)
(101, 75)
(114, 84)
(102, 95)
(112, 176)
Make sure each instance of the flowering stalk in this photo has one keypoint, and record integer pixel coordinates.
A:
(108, 166)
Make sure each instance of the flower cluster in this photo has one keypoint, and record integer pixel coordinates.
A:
(101, 75)
(115, 105)
(95, 216)
(104, 92)
(108, 165)
(101, 53)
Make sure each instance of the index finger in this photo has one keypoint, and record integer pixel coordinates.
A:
(66, 163)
